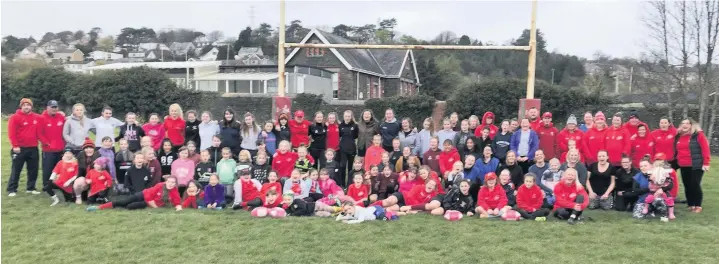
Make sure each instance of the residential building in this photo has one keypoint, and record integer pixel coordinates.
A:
(69, 55)
(201, 42)
(104, 55)
(181, 48)
(253, 56)
(33, 52)
(53, 45)
(183, 73)
(210, 55)
(159, 55)
(137, 54)
(152, 46)
(359, 74)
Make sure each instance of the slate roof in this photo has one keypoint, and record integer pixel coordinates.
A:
(358, 58)
(390, 60)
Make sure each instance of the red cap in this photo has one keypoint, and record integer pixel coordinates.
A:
(660, 156)
(299, 113)
(490, 176)
(547, 115)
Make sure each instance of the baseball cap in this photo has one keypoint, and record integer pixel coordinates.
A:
(243, 172)
(52, 103)
(660, 156)
(490, 176)
(547, 115)
(299, 113)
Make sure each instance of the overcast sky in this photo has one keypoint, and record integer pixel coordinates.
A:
(574, 27)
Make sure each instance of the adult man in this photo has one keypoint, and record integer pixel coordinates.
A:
(548, 137)
(534, 120)
(23, 134)
(50, 133)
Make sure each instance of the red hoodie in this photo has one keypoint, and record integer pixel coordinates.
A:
(100, 180)
(269, 186)
(175, 130)
(563, 140)
(632, 129)
(23, 129)
(357, 193)
(284, 163)
(418, 195)
(50, 132)
(617, 142)
(373, 156)
(492, 128)
(641, 146)
(433, 176)
(530, 199)
(664, 142)
(684, 155)
(494, 198)
(534, 125)
(156, 192)
(156, 132)
(548, 140)
(299, 133)
(249, 190)
(565, 195)
(593, 141)
(447, 160)
(333, 136)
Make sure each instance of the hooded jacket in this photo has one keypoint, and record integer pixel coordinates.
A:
(214, 194)
(423, 138)
(530, 199)
(593, 141)
(548, 140)
(283, 163)
(192, 132)
(348, 133)
(418, 195)
(409, 139)
(566, 194)
(24, 129)
(366, 131)
(472, 174)
(492, 128)
(104, 127)
(563, 140)
(389, 130)
(299, 132)
(664, 141)
(175, 130)
(157, 192)
(99, 181)
(373, 156)
(447, 160)
(491, 197)
(156, 132)
(133, 134)
(455, 200)
(431, 159)
(50, 132)
(75, 131)
(617, 143)
(501, 144)
(641, 146)
(206, 131)
(330, 187)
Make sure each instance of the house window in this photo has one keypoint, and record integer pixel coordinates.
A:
(336, 86)
(315, 52)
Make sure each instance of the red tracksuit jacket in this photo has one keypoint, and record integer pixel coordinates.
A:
(492, 128)
(563, 141)
(433, 176)
(447, 160)
(373, 156)
(271, 186)
(249, 190)
(548, 140)
(155, 194)
(283, 163)
(299, 133)
(357, 193)
(50, 132)
(23, 129)
(175, 130)
(333, 136)
(641, 146)
(617, 142)
(594, 140)
(566, 194)
(494, 198)
(664, 142)
(530, 199)
(99, 181)
(418, 195)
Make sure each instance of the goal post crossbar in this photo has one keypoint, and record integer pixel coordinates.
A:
(412, 47)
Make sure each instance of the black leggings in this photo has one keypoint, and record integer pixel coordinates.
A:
(257, 202)
(543, 212)
(132, 202)
(49, 189)
(346, 160)
(624, 204)
(100, 195)
(565, 213)
(692, 180)
(316, 154)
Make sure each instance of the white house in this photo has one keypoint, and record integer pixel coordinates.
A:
(152, 46)
(79, 67)
(210, 55)
(183, 73)
(54, 45)
(103, 55)
(32, 52)
(181, 48)
(136, 54)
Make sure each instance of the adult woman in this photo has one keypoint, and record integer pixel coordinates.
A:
(104, 126)
(573, 162)
(154, 197)
(570, 132)
(192, 128)
(250, 131)
(349, 132)
(230, 132)
(318, 136)
(594, 138)
(588, 122)
(424, 136)
(515, 171)
(642, 144)
(299, 130)
(624, 183)
(524, 143)
(175, 126)
(571, 198)
(693, 157)
(207, 129)
(618, 141)
(600, 182)
(76, 127)
(368, 127)
(470, 148)
(640, 191)
(663, 138)
(389, 130)
(408, 136)
(485, 164)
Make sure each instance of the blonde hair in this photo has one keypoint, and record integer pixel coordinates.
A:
(659, 175)
(178, 108)
(82, 118)
(244, 153)
(351, 114)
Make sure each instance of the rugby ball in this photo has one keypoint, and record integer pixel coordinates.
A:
(511, 215)
(277, 213)
(453, 215)
(259, 212)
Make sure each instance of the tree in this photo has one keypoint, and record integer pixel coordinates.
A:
(94, 34)
(244, 39)
(215, 35)
(65, 36)
(464, 40)
(78, 35)
(387, 25)
(44, 84)
(178, 35)
(106, 44)
(343, 30)
(523, 40)
(364, 34)
(12, 44)
(134, 36)
(294, 32)
(430, 78)
(445, 38)
(48, 37)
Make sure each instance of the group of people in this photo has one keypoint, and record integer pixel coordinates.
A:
(361, 170)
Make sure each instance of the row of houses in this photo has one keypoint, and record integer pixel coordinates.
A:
(337, 74)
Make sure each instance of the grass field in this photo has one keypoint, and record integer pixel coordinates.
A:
(33, 232)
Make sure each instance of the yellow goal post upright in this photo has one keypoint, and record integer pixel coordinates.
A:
(524, 104)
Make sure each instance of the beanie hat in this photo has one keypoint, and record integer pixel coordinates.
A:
(25, 101)
(572, 120)
(67, 149)
(633, 114)
(88, 143)
(599, 116)
(102, 161)
(288, 194)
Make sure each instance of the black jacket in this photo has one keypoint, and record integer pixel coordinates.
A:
(500, 145)
(509, 191)
(230, 135)
(318, 134)
(515, 172)
(389, 131)
(260, 172)
(348, 134)
(300, 207)
(625, 180)
(455, 200)
(83, 163)
(137, 179)
(202, 171)
(166, 159)
(283, 134)
(133, 134)
(215, 154)
(192, 132)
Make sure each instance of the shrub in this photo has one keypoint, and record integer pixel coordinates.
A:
(416, 107)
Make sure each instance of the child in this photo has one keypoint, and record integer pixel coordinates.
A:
(86, 158)
(659, 179)
(460, 140)
(107, 150)
(447, 132)
(296, 186)
(551, 177)
(151, 197)
(137, 177)
(123, 161)
(192, 194)
(425, 174)
(226, 170)
(244, 161)
(314, 185)
(396, 153)
(571, 198)
(353, 214)
(328, 186)
(414, 200)
(268, 200)
(571, 145)
(272, 184)
(299, 207)
(183, 169)
(283, 161)
(455, 176)
(99, 180)
(261, 149)
(153, 165)
(371, 178)
(215, 150)
(530, 199)
(304, 161)
(192, 151)
(246, 189)
(458, 199)
(508, 186)
(261, 168)
(155, 130)
(64, 173)
(166, 157)
(408, 179)
(358, 191)
(404, 161)
(485, 139)
(447, 158)
(146, 142)
(374, 153)
(491, 200)
(357, 166)
(132, 133)
(204, 169)
(269, 139)
(214, 194)
(385, 163)
(386, 184)
(332, 167)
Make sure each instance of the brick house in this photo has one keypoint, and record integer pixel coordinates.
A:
(359, 74)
